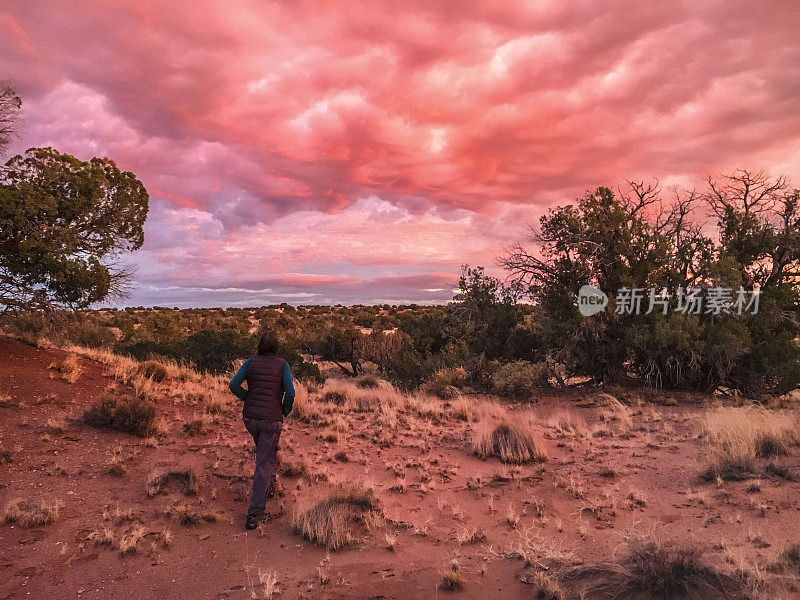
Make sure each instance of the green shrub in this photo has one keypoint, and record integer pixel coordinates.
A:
(520, 379)
(130, 415)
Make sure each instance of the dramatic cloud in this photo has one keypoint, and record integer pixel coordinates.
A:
(316, 152)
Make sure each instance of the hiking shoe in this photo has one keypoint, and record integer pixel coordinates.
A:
(254, 521)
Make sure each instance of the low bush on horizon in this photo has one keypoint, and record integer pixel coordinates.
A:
(130, 415)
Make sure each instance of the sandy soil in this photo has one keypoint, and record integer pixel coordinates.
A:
(577, 507)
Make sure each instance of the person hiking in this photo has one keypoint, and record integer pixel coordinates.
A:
(267, 400)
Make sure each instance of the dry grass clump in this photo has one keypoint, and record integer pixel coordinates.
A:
(184, 477)
(195, 426)
(28, 514)
(102, 536)
(304, 408)
(296, 468)
(513, 442)
(368, 381)
(337, 398)
(659, 572)
(425, 406)
(130, 415)
(339, 520)
(217, 407)
(70, 369)
(613, 413)
(737, 436)
(267, 585)
(566, 422)
(188, 516)
(461, 408)
(359, 399)
(116, 466)
(452, 580)
(129, 541)
(788, 560)
(152, 369)
(544, 587)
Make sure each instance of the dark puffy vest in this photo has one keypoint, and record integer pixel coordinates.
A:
(264, 388)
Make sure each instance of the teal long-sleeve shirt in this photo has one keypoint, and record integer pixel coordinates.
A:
(235, 386)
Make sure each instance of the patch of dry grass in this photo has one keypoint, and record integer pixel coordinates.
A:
(657, 571)
(338, 520)
(187, 516)
(152, 369)
(130, 539)
(452, 580)
(735, 437)
(69, 368)
(544, 587)
(29, 514)
(566, 422)
(131, 415)
(512, 441)
(116, 466)
(184, 477)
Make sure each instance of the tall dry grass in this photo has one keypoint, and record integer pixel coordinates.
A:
(337, 520)
(736, 437)
(513, 441)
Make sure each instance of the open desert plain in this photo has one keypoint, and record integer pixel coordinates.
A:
(575, 494)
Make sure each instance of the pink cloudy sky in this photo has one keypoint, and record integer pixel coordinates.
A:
(317, 152)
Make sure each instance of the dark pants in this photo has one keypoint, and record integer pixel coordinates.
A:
(266, 435)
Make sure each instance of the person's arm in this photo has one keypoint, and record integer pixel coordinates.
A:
(235, 385)
(288, 390)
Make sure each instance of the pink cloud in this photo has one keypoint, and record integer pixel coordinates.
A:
(275, 121)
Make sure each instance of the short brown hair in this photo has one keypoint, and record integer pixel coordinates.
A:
(268, 343)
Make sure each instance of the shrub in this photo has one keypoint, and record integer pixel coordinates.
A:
(336, 521)
(154, 370)
(445, 383)
(520, 379)
(307, 371)
(129, 415)
(659, 572)
(666, 572)
(28, 514)
(511, 441)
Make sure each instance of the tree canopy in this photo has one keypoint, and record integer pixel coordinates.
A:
(64, 223)
(638, 239)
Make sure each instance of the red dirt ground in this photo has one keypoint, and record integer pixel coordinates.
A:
(651, 487)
